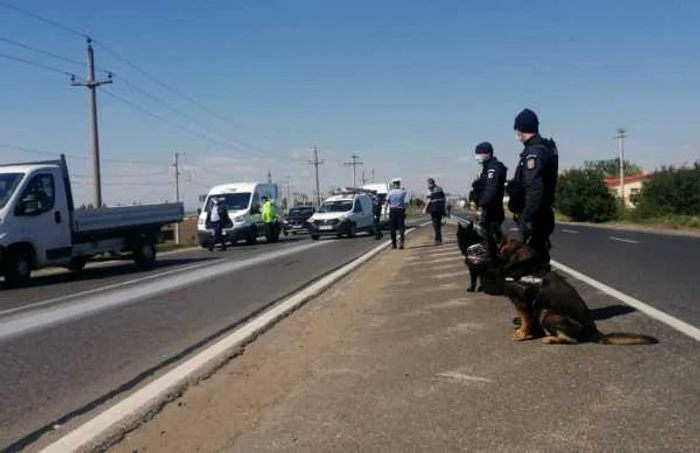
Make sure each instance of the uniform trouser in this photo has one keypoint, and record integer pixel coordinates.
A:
(492, 230)
(436, 219)
(218, 238)
(377, 227)
(397, 222)
(542, 228)
(270, 231)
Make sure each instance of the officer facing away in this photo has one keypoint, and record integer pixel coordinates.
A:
(490, 196)
(396, 203)
(532, 191)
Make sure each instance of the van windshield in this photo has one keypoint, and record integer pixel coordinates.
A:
(336, 206)
(233, 201)
(8, 185)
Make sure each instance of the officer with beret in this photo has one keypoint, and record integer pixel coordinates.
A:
(489, 195)
(532, 189)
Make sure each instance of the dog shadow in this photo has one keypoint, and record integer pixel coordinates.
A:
(612, 311)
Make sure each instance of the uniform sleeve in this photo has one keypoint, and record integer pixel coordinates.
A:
(534, 186)
(490, 187)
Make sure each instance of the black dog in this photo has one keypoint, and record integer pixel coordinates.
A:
(482, 266)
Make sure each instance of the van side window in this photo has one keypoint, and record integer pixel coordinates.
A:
(39, 196)
(255, 206)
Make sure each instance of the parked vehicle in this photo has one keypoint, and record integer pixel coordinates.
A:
(381, 190)
(345, 214)
(244, 202)
(39, 226)
(296, 220)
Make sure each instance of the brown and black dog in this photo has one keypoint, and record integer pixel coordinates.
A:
(549, 306)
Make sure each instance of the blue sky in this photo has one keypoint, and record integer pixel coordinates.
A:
(410, 87)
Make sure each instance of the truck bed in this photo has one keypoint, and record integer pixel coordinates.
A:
(126, 217)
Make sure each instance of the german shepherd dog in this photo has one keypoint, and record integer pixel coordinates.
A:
(474, 247)
(549, 306)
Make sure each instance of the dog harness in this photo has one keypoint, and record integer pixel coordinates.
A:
(477, 254)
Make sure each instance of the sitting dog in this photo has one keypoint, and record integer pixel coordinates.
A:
(549, 306)
(482, 267)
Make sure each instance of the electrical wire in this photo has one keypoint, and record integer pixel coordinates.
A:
(35, 64)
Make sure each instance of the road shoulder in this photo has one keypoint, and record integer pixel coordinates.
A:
(398, 357)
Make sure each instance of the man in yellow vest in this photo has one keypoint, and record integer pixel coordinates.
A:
(269, 218)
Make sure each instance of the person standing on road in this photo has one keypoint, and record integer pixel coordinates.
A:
(490, 198)
(269, 219)
(215, 221)
(396, 203)
(435, 205)
(377, 216)
(534, 185)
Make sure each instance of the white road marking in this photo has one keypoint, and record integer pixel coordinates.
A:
(450, 275)
(444, 254)
(127, 413)
(629, 241)
(569, 231)
(18, 324)
(453, 375)
(675, 323)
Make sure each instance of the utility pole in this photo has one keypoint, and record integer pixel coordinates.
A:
(373, 176)
(621, 135)
(269, 176)
(176, 164)
(354, 163)
(315, 162)
(91, 84)
(363, 179)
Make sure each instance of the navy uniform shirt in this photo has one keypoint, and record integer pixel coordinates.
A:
(536, 175)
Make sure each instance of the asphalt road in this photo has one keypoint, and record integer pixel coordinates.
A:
(658, 269)
(68, 343)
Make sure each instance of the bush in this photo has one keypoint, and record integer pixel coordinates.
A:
(583, 196)
(671, 191)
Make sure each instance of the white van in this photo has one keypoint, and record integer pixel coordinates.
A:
(344, 214)
(243, 202)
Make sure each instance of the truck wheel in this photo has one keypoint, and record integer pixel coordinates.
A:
(252, 238)
(315, 237)
(145, 256)
(77, 264)
(352, 231)
(18, 269)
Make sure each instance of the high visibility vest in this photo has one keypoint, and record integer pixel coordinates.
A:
(268, 212)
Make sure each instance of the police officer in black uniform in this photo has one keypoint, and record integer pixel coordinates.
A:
(532, 189)
(377, 216)
(489, 198)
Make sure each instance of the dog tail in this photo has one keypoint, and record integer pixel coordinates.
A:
(624, 339)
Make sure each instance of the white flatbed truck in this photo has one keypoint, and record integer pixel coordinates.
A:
(40, 227)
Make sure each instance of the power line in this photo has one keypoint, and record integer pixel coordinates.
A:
(354, 163)
(43, 19)
(40, 51)
(35, 64)
(73, 156)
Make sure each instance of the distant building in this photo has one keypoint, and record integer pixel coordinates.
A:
(632, 184)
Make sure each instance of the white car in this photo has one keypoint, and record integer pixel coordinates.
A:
(345, 214)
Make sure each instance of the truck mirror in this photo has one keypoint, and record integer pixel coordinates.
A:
(199, 211)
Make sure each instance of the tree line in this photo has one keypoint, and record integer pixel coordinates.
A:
(670, 193)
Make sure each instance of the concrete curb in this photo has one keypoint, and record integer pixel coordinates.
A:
(110, 425)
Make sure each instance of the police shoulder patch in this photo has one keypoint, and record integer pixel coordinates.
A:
(531, 163)
(490, 173)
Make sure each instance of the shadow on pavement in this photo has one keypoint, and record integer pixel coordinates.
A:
(611, 311)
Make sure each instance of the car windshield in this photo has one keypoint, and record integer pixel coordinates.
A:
(8, 185)
(336, 206)
(232, 201)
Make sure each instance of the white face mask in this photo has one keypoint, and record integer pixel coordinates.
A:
(480, 158)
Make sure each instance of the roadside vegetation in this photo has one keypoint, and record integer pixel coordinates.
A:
(669, 199)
